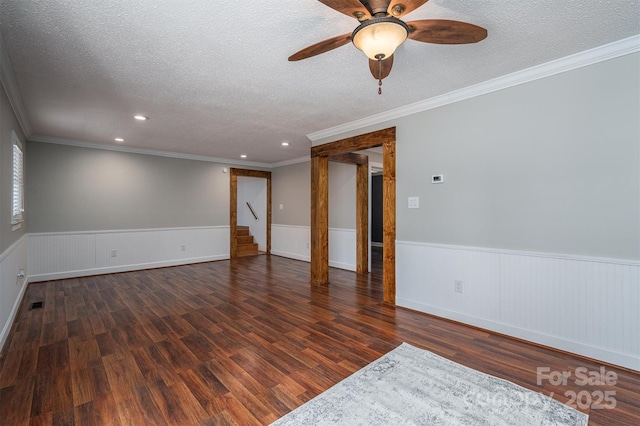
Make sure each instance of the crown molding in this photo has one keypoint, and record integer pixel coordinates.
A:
(8, 79)
(158, 153)
(588, 57)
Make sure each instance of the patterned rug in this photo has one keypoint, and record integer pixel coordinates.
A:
(411, 386)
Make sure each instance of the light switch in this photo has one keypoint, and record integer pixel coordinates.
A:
(414, 202)
(281, 206)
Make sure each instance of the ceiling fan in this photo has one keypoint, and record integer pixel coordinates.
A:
(381, 31)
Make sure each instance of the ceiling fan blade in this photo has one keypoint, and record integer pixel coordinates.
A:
(380, 69)
(398, 8)
(321, 47)
(442, 31)
(352, 8)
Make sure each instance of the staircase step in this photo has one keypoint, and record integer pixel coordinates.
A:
(245, 239)
(242, 231)
(249, 253)
(247, 247)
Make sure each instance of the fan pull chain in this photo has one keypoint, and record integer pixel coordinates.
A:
(379, 76)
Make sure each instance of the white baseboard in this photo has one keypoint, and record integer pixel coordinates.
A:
(290, 255)
(596, 353)
(12, 288)
(12, 315)
(123, 268)
(296, 256)
(342, 265)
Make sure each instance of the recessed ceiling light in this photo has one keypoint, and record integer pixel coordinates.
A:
(140, 117)
(243, 156)
(285, 144)
(119, 140)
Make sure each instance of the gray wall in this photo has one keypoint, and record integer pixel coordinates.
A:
(290, 186)
(8, 123)
(83, 189)
(342, 195)
(549, 166)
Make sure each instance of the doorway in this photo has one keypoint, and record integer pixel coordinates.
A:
(376, 217)
(251, 190)
(320, 156)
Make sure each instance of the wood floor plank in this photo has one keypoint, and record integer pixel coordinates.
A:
(64, 417)
(204, 387)
(154, 365)
(82, 387)
(82, 352)
(85, 414)
(238, 342)
(177, 404)
(43, 419)
(242, 385)
(124, 376)
(106, 410)
(10, 368)
(15, 402)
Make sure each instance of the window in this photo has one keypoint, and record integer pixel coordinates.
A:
(18, 181)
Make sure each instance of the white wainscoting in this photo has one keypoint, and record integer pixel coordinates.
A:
(12, 287)
(72, 254)
(293, 242)
(588, 306)
(342, 248)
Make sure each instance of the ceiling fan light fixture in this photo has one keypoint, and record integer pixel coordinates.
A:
(378, 38)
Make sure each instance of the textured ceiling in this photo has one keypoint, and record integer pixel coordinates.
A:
(213, 76)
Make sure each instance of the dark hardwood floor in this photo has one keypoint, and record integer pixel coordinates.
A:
(235, 342)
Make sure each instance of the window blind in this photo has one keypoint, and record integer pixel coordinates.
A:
(18, 182)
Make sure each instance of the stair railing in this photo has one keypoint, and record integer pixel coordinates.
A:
(252, 211)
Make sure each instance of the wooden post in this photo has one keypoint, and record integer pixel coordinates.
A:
(362, 218)
(233, 214)
(389, 222)
(320, 220)
(269, 214)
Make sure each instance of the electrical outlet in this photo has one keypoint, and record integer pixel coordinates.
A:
(437, 178)
(183, 248)
(307, 245)
(457, 286)
(114, 253)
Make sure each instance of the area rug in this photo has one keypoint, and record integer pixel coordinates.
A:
(411, 386)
